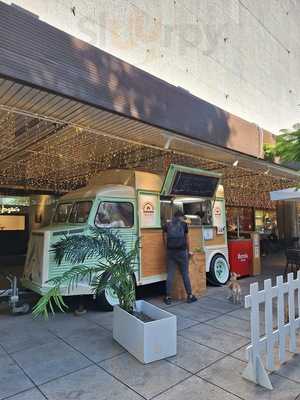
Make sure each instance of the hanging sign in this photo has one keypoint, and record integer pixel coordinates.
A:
(9, 210)
(149, 210)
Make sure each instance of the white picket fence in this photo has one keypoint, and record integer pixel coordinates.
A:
(280, 302)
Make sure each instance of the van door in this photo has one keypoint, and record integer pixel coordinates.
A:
(118, 214)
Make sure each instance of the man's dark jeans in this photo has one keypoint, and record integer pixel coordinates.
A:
(178, 258)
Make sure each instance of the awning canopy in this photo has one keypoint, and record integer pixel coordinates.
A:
(49, 142)
(286, 194)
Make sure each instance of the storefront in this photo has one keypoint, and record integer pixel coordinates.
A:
(14, 225)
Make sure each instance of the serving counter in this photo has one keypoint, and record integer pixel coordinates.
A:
(153, 260)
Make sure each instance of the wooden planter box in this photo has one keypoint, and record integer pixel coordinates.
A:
(197, 273)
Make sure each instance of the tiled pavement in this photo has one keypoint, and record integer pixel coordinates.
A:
(75, 358)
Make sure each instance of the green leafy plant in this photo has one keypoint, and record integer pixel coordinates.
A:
(269, 152)
(113, 269)
(288, 144)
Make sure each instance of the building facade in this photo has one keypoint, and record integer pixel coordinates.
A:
(240, 55)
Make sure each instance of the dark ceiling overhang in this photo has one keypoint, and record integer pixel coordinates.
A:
(37, 54)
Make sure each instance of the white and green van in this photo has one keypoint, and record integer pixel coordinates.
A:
(136, 204)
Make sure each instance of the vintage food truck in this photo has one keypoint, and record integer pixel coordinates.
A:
(136, 204)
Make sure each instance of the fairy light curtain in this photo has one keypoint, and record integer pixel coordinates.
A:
(41, 153)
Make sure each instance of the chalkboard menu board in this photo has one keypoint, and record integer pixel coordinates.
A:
(186, 184)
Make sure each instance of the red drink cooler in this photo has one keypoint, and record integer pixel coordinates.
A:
(240, 256)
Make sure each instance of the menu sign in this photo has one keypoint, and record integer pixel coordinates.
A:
(188, 184)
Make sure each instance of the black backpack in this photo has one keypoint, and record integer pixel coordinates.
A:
(176, 235)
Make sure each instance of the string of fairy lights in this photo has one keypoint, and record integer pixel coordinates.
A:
(40, 152)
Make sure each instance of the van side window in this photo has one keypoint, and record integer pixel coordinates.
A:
(114, 215)
(80, 212)
(62, 212)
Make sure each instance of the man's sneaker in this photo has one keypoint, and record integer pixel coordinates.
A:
(167, 300)
(191, 298)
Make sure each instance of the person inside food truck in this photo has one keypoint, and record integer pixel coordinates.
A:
(176, 239)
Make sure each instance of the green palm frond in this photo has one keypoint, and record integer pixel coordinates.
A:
(77, 248)
(114, 269)
(69, 279)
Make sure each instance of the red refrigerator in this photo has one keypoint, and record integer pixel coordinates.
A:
(240, 256)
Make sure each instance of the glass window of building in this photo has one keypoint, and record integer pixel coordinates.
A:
(242, 216)
(265, 221)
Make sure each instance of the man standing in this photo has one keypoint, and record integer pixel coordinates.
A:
(177, 242)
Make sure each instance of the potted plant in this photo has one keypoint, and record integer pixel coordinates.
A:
(104, 259)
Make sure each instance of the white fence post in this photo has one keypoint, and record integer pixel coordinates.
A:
(280, 319)
(291, 313)
(255, 370)
(269, 323)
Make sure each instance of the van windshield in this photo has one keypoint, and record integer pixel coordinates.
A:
(62, 212)
(115, 215)
(80, 212)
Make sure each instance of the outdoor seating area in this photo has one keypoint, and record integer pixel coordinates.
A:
(70, 357)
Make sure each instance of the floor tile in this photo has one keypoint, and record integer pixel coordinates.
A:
(193, 356)
(33, 394)
(50, 361)
(104, 319)
(194, 312)
(91, 383)
(183, 323)
(291, 369)
(23, 335)
(148, 380)
(95, 343)
(2, 351)
(214, 338)
(226, 373)
(159, 302)
(232, 325)
(12, 378)
(66, 324)
(242, 355)
(241, 313)
(218, 305)
(195, 388)
(219, 293)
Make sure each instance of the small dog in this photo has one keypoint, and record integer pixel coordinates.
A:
(235, 291)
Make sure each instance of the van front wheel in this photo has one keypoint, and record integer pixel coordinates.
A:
(218, 271)
(106, 300)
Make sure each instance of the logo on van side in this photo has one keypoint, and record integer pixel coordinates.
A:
(148, 208)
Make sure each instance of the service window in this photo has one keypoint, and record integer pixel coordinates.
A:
(62, 213)
(115, 215)
(80, 212)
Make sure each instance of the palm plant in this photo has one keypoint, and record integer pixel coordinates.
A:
(113, 269)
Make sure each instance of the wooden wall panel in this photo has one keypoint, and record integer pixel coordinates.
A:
(153, 255)
(216, 241)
